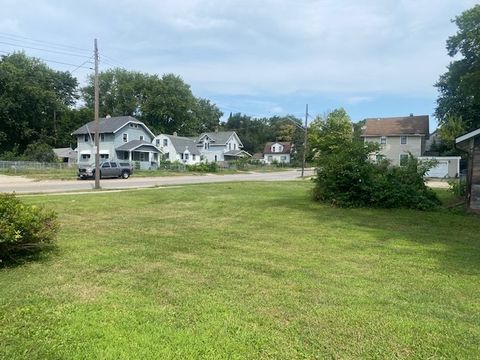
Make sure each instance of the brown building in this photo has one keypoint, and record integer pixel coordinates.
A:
(470, 143)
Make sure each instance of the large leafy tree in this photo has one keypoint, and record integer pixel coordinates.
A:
(459, 87)
(31, 97)
(329, 133)
(166, 104)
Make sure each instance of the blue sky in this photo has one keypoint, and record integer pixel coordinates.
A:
(373, 57)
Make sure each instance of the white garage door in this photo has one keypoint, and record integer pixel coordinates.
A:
(439, 171)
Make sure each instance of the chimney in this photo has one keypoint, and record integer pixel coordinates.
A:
(411, 114)
(174, 133)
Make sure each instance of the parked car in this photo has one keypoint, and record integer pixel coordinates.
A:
(107, 169)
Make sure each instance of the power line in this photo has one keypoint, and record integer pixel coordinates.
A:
(47, 50)
(19, 38)
(60, 62)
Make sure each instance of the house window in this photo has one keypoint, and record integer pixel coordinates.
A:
(229, 146)
(166, 156)
(216, 159)
(158, 142)
(274, 149)
(234, 146)
(85, 137)
(403, 140)
(104, 156)
(141, 137)
(270, 158)
(383, 140)
(403, 159)
(283, 158)
(181, 156)
(125, 137)
(186, 156)
(102, 137)
(85, 156)
(165, 142)
(193, 157)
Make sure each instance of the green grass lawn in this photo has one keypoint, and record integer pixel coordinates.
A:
(244, 270)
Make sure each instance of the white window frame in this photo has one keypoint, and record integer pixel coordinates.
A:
(383, 140)
(125, 137)
(400, 158)
(165, 142)
(401, 140)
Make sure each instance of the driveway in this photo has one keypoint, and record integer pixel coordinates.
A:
(21, 185)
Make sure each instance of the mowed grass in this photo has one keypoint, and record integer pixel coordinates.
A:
(244, 271)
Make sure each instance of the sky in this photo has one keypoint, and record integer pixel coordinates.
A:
(375, 58)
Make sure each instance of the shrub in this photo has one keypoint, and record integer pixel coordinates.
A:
(40, 151)
(203, 167)
(348, 178)
(458, 187)
(24, 228)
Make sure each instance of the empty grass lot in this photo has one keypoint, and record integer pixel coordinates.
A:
(244, 271)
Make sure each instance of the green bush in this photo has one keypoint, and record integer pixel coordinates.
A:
(348, 178)
(203, 167)
(24, 228)
(458, 187)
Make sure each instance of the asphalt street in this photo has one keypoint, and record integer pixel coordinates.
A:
(21, 185)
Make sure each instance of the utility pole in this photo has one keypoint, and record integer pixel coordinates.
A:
(97, 121)
(305, 141)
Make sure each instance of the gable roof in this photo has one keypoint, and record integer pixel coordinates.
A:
(181, 144)
(287, 147)
(220, 137)
(467, 136)
(65, 152)
(236, 153)
(404, 125)
(110, 125)
(135, 144)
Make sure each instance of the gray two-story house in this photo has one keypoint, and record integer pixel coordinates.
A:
(121, 138)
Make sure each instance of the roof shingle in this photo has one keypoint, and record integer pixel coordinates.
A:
(405, 125)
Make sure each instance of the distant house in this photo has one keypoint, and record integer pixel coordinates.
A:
(277, 152)
(121, 138)
(66, 155)
(400, 136)
(220, 146)
(178, 148)
(470, 143)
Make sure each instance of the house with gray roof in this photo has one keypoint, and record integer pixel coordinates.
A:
(220, 146)
(121, 138)
(178, 148)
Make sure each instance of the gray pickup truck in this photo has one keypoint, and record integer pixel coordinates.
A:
(107, 169)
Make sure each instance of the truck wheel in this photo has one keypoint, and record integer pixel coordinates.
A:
(125, 174)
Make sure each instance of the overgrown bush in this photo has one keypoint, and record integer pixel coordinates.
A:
(458, 187)
(211, 167)
(24, 228)
(348, 178)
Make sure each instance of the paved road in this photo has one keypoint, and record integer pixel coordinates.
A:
(21, 185)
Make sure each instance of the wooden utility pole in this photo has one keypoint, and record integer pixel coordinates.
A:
(97, 121)
(305, 141)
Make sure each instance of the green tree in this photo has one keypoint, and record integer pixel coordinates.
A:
(329, 133)
(31, 94)
(459, 89)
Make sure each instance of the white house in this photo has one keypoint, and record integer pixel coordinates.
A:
(178, 148)
(220, 146)
(277, 152)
